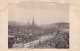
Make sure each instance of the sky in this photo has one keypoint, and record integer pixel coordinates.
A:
(43, 13)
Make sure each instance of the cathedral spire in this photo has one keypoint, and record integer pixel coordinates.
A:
(33, 21)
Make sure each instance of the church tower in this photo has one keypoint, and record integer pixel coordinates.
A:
(33, 22)
(28, 23)
(33, 26)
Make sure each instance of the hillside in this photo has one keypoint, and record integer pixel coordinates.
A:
(63, 25)
(16, 23)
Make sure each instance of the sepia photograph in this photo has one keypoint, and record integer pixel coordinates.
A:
(38, 25)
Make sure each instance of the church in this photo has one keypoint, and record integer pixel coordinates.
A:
(31, 27)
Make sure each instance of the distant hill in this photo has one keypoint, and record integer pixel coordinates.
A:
(58, 25)
(16, 23)
(62, 25)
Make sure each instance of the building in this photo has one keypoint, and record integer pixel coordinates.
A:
(31, 27)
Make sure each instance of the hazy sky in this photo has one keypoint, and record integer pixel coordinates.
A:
(44, 13)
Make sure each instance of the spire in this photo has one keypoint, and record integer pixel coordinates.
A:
(33, 21)
(28, 23)
(33, 25)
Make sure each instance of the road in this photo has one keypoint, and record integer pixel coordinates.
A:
(42, 39)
